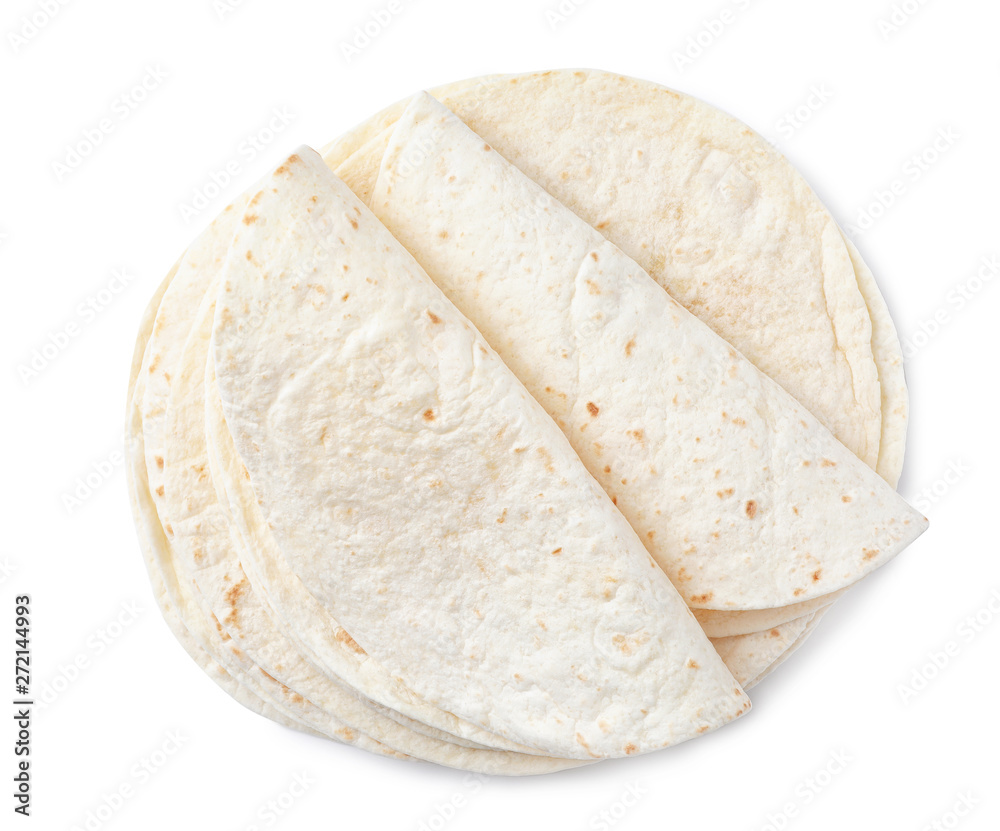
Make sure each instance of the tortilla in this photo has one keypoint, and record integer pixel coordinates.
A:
(333, 351)
(739, 494)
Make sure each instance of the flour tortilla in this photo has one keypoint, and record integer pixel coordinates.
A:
(740, 495)
(430, 578)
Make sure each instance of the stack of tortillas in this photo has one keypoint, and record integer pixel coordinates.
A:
(435, 439)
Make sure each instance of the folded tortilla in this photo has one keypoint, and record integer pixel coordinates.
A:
(740, 494)
(419, 492)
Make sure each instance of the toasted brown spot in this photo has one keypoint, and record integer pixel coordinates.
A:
(169, 529)
(693, 664)
(828, 463)
(428, 415)
(775, 633)
(434, 318)
(346, 295)
(159, 491)
(725, 493)
(249, 254)
(739, 422)
(702, 598)
(593, 254)
(502, 518)
(249, 219)
(871, 553)
(316, 287)
(354, 222)
(638, 435)
(797, 592)
(629, 347)
(751, 508)
(592, 408)
(703, 728)
(159, 462)
(343, 637)
(443, 235)
(630, 749)
(601, 226)
(817, 574)
(557, 550)
(487, 148)
(651, 534)
(845, 498)
(548, 459)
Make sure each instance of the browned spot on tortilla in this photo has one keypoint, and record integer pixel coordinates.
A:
(739, 422)
(268, 675)
(233, 595)
(343, 637)
(651, 534)
(169, 529)
(249, 254)
(592, 287)
(487, 148)
(434, 318)
(817, 574)
(629, 347)
(249, 219)
(870, 553)
(693, 664)
(630, 749)
(159, 491)
(751, 508)
(548, 459)
(702, 598)
(725, 493)
(845, 498)
(775, 633)
(314, 199)
(346, 295)
(557, 550)
(443, 235)
(541, 623)
(347, 734)
(602, 225)
(159, 462)
(638, 435)
(797, 592)
(592, 408)
(317, 288)
(703, 728)
(354, 222)
(828, 463)
(502, 518)
(580, 741)
(806, 463)
(428, 415)
(614, 501)
(593, 254)
(795, 509)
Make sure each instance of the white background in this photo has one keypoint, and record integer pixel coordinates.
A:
(63, 237)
